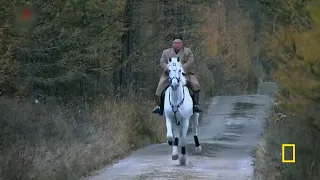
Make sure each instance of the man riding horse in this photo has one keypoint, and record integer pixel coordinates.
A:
(186, 56)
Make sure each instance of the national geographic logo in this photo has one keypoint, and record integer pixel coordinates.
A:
(286, 149)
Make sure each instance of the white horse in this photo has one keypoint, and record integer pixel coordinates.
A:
(178, 109)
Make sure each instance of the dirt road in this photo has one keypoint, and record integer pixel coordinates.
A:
(228, 134)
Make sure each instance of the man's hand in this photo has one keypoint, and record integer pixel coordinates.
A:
(189, 63)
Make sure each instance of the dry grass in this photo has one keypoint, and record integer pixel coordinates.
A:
(268, 165)
(51, 142)
(267, 162)
(40, 141)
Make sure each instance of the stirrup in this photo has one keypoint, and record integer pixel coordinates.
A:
(157, 110)
(196, 109)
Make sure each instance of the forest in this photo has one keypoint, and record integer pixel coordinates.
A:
(291, 37)
(78, 78)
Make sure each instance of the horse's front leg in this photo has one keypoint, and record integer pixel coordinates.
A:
(175, 150)
(185, 126)
(169, 131)
(195, 124)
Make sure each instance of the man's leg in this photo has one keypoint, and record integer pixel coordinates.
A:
(163, 83)
(159, 108)
(196, 107)
(196, 93)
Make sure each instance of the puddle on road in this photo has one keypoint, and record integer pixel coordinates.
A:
(235, 128)
(208, 149)
(227, 137)
(240, 109)
(173, 175)
(244, 106)
(246, 163)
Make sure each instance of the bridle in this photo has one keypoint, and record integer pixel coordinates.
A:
(175, 107)
(175, 77)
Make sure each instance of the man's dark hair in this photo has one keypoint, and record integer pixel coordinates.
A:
(177, 37)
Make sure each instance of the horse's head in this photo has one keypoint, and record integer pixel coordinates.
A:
(176, 71)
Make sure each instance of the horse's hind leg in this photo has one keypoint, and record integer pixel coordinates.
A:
(175, 151)
(195, 123)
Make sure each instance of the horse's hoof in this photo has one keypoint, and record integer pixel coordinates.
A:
(175, 157)
(183, 160)
(170, 140)
(198, 149)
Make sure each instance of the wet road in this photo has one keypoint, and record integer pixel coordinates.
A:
(229, 132)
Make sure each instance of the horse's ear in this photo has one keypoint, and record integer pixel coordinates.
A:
(178, 59)
(170, 59)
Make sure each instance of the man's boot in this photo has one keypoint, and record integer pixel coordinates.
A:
(196, 107)
(159, 108)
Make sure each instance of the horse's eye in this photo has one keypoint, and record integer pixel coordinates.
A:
(179, 70)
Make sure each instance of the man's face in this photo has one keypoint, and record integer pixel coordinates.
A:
(177, 44)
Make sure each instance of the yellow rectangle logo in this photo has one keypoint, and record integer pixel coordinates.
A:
(293, 160)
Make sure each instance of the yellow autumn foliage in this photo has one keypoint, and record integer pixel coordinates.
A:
(298, 58)
(291, 39)
(231, 43)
